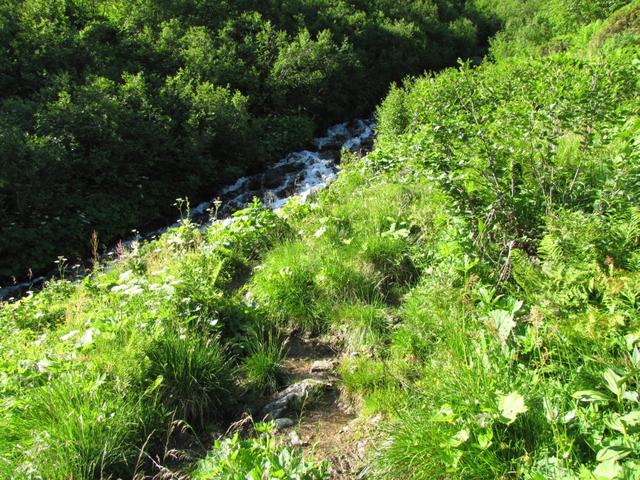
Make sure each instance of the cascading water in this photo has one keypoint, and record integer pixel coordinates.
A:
(296, 175)
(299, 173)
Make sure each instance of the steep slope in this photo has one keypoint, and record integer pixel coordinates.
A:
(477, 274)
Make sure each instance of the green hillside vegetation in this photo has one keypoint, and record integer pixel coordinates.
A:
(480, 270)
(111, 109)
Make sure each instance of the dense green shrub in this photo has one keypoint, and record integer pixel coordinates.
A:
(258, 458)
(531, 27)
(98, 376)
(517, 351)
(474, 127)
(480, 269)
(110, 110)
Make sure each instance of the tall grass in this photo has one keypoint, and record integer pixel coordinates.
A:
(74, 427)
(94, 373)
(480, 269)
(265, 350)
(193, 375)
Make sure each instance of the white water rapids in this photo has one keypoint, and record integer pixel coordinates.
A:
(296, 175)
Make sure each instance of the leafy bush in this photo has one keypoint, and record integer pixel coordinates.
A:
(257, 458)
(109, 111)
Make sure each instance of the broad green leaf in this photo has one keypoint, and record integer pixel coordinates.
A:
(453, 459)
(459, 438)
(86, 339)
(517, 306)
(635, 357)
(69, 335)
(613, 381)
(631, 339)
(569, 416)
(615, 423)
(511, 406)
(485, 439)
(607, 470)
(503, 322)
(402, 233)
(632, 419)
(549, 410)
(612, 453)
(156, 383)
(591, 396)
(445, 414)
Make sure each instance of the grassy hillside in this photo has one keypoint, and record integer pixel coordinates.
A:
(111, 109)
(479, 271)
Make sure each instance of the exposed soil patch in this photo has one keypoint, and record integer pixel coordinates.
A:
(326, 426)
(329, 433)
(303, 353)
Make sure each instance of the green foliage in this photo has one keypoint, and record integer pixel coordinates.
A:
(107, 367)
(360, 253)
(257, 458)
(620, 29)
(513, 355)
(43, 311)
(193, 375)
(533, 26)
(285, 287)
(308, 69)
(262, 367)
(505, 182)
(75, 427)
(110, 110)
(364, 327)
(480, 268)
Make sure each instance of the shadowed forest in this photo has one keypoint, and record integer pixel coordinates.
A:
(112, 109)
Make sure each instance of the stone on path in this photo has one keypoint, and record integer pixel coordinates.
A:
(322, 366)
(284, 422)
(294, 439)
(293, 397)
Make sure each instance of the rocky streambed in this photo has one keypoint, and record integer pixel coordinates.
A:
(298, 174)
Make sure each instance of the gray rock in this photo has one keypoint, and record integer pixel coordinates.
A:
(284, 422)
(294, 396)
(321, 366)
(274, 414)
(294, 439)
(330, 154)
(273, 179)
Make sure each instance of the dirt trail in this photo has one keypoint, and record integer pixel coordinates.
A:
(326, 427)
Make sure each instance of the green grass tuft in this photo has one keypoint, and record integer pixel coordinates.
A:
(193, 375)
(262, 367)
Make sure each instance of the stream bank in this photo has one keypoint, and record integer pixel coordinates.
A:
(298, 174)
